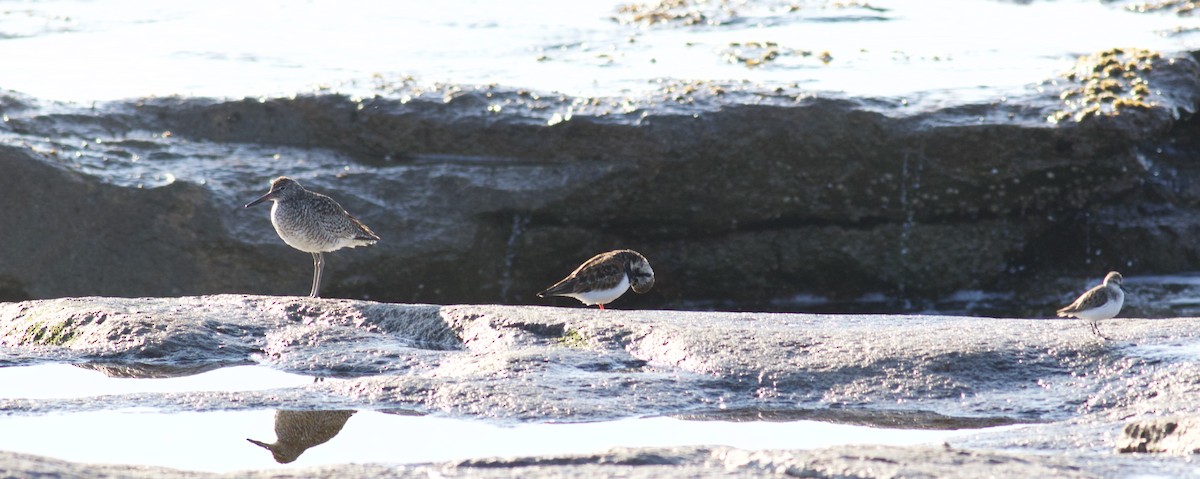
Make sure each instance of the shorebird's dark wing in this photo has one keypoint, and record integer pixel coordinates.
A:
(1093, 298)
(364, 233)
(603, 271)
(326, 206)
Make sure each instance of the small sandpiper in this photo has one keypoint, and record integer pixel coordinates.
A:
(1101, 302)
(313, 223)
(605, 277)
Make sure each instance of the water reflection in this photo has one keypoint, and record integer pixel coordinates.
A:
(156, 371)
(879, 418)
(296, 431)
(213, 440)
(61, 381)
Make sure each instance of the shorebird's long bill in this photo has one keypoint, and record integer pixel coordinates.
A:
(261, 199)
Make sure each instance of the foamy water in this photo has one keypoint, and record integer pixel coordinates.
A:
(87, 51)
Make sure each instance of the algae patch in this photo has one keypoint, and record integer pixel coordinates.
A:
(1178, 7)
(676, 12)
(755, 54)
(49, 334)
(1106, 84)
(572, 338)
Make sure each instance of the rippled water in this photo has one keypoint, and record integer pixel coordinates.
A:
(86, 51)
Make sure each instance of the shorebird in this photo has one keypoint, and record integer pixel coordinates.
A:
(313, 223)
(605, 277)
(1101, 302)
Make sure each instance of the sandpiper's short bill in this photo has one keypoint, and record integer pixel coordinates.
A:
(313, 223)
(605, 277)
(1101, 302)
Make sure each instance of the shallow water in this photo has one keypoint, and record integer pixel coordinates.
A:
(61, 381)
(216, 441)
(87, 51)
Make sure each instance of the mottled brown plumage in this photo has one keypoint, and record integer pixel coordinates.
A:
(605, 277)
(313, 223)
(1101, 302)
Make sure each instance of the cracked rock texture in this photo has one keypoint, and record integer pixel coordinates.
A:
(1078, 399)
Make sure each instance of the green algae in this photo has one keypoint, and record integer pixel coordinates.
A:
(574, 339)
(50, 334)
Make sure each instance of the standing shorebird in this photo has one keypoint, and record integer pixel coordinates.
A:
(1101, 302)
(313, 223)
(605, 278)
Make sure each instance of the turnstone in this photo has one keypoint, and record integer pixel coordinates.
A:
(313, 223)
(1101, 302)
(605, 277)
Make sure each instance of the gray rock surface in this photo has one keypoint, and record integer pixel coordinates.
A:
(695, 462)
(1175, 435)
(521, 363)
(739, 197)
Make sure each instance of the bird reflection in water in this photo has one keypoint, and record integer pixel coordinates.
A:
(296, 431)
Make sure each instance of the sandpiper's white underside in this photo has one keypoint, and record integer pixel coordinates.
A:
(1108, 311)
(1105, 311)
(603, 296)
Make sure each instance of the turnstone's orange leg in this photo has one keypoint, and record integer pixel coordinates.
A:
(601, 306)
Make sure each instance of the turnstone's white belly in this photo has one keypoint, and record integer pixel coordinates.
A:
(603, 296)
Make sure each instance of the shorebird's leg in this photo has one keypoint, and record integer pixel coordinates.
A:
(1096, 330)
(601, 306)
(318, 265)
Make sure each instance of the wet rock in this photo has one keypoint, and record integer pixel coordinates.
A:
(698, 462)
(537, 364)
(156, 337)
(1110, 82)
(1173, 435)
(736, 195)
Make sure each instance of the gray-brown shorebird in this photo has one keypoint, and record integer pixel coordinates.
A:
(313, 223)
(605, 277)
(1101, 302)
